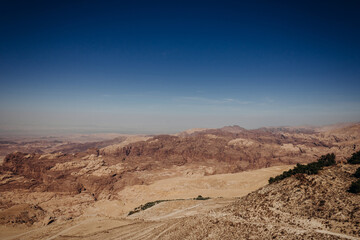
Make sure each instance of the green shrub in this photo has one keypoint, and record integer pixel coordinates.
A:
(311, 168)
(357, 173)
(201, 198)
(146, 206)
(355, 187)
(132, 212)
(151, 204)
(327, 160)
(355, 158)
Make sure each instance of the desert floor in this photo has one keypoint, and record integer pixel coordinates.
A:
(107, 219)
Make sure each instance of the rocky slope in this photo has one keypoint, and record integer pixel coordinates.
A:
(300, 207)
(76, 179)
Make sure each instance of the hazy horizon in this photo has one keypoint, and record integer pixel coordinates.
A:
(164, 67)
(57, 132)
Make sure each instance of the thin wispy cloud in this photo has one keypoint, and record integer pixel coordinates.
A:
(211, 101)
(269, 100)
(126, 95)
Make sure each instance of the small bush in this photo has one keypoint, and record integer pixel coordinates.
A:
(201, 198)
(327, 160)
(311, 168)
(355, 158)
(357, 173)
(146, 206)
(132, 212)
(151, 204)
(355, 187)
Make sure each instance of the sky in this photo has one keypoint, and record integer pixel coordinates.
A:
(166, 66)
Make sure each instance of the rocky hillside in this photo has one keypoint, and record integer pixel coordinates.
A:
(108, 167)
(139, 159)
(299, 207)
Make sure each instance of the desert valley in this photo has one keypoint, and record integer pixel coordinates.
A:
(197, 184)
(177, 120)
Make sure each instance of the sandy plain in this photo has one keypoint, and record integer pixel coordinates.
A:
(107, 219)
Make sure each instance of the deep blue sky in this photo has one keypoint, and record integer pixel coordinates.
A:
(165, 66)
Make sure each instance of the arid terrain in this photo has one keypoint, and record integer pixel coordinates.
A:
(84, 186)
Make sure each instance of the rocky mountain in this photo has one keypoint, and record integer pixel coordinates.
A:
(38, 187)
